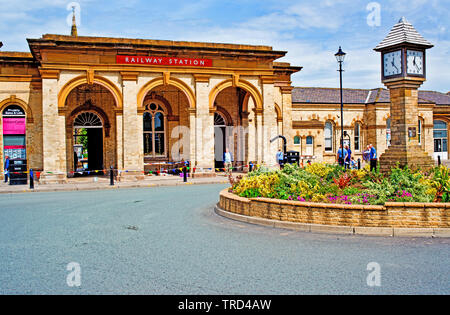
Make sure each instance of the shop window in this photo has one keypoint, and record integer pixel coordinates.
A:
(14, 132)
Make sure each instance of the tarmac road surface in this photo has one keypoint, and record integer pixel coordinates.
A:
(168, 240)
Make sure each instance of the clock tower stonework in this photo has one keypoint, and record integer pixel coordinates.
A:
(403, 72)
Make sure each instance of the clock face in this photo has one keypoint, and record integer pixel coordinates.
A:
(392, 63)
(414, 62)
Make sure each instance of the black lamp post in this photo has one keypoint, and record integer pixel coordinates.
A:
(340, 56)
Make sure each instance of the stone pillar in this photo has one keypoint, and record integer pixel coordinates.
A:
(192, 138)
(204, 126)
(132, 131)
(286, 110)
(53, 131)
(404, 149)
(259, 135)
(119, 141)
(270, 123)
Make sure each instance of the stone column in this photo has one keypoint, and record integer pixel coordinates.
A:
(270, 123)
(259, 135)
(204, 126)
(119, 141)
(132, 130)
(53, 131)
(192, 138)
(286, 110)
(404, 149)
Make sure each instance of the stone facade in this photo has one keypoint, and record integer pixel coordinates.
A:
(68, 75)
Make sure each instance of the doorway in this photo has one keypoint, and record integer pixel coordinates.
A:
(219, 140)
(87, 144)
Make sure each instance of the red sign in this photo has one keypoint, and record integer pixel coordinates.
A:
(163, 61)
(14, 126)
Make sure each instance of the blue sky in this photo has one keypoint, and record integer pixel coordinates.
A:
(311, 31)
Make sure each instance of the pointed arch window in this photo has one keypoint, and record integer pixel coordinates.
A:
(155, 122)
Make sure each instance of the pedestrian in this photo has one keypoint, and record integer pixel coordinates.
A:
(341, 156)
(6, 167)
(348, 158)
(366, 154)
(373, 158)
(75, 161)
(228, 162)
(280, 158)
(353, 164)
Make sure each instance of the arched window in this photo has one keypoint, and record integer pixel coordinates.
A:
(297, 140)
(357, 137)
(154, 120)
(388, 132)
(328, 137)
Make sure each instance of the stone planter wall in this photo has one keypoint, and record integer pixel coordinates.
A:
(391, 215)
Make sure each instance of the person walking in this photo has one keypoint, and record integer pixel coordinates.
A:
(348, 158)
(280, 158)
(341, 156)
(6, 167)
(228, 162)
(373, 158)
(366, 154)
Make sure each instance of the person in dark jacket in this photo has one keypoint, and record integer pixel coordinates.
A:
(6, 166)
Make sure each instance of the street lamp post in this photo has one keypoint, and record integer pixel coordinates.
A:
(340, 56)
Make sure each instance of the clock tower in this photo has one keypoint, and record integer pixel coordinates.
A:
(403, 70)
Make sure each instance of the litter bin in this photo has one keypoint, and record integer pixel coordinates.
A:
(293, 157)
(17, 172)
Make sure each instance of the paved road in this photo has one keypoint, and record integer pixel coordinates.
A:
(168, 240)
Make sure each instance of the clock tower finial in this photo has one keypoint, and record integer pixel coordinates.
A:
(74, 31)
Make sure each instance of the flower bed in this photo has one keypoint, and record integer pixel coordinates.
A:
(324, 183)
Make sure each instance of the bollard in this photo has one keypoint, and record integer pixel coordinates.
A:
(359, 164)
(439, 160)
(31, 179)
(111, 176)
(185, 174)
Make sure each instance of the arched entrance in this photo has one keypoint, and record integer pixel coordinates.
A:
(219, 140)
(231, 125)
(91, 130)
(87, 143)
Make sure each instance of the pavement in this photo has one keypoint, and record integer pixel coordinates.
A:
(103, 182)
(168, 240)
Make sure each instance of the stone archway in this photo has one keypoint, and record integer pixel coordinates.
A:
(89, 101)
